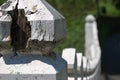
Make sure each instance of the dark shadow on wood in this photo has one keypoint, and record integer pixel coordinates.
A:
(20, 29)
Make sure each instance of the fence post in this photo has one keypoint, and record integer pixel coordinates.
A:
(91, 35)
(88, 66)
(34, 27)
(92, 48)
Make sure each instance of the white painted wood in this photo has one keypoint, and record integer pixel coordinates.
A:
(69, 54)
(29, 67)
(41, 30)
(78, 78)
(5, 27)
(92, 48)
(5, 18)
(90, 65)
(96, 74)
(9, 5)
(95, 59)
(0, 14)
(91, 35)
(71, 78)
(47, 24)
(79, 62)
(85, 64)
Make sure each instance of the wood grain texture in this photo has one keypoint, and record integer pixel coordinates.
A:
(35, 28)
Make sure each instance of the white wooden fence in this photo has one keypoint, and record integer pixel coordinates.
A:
(51, 26)
(87, 66)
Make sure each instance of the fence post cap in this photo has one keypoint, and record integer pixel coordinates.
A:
(90, 18)
(39, 23)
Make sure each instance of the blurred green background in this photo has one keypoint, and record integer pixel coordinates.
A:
(75, 12)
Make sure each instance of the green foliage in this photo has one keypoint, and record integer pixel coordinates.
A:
(2, 1)
(75, 12)
(108, 20)
(110, 7)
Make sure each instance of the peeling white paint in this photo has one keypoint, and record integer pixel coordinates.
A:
(47, 24)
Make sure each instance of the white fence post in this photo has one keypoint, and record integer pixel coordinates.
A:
(88, 66)
(91, 35)
(45, 27)
(70, 56)
(92, 47)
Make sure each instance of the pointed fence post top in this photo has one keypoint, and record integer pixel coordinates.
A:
(37, 22)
